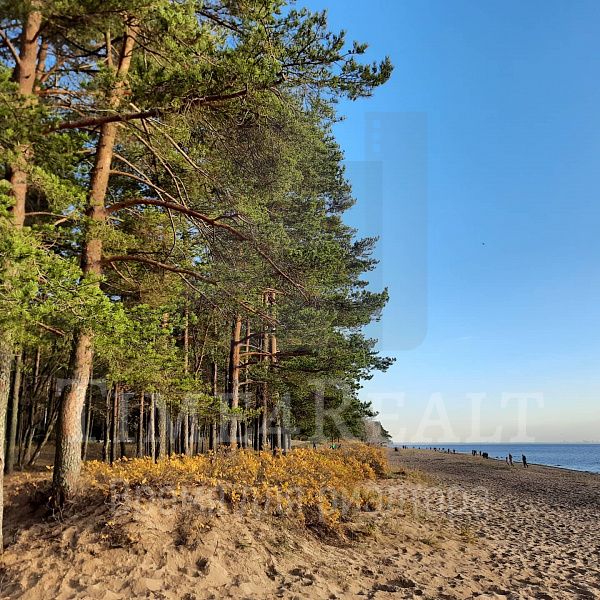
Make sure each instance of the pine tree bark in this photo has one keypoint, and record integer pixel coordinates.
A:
(212, 443)
(194, 437)
(186, 338)
(234, 379)
(123, 423)
(88, 422)
(278, 433)
(263, 396)
(67, 463)
(162, 427)
(256, 435)
(88, 429)
(152, 426)
(140, 440)
(273, 353)
(186, 433)
(244, 435)
(106, 441)
(115, 426)
(25, 73)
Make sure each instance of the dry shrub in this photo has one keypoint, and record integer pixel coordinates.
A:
(467, 535)
(313, 485)
(370, 500)
(115, 535)
(191, 526)
(374, 456)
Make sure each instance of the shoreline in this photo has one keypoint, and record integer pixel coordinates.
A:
(548, 485)
(517, 464)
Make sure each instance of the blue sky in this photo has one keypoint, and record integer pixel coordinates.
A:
(489, 131)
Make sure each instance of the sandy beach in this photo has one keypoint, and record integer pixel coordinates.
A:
(463, 528)
(539, 538)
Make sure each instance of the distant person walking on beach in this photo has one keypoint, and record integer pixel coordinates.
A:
(525, 461)
(510, 460)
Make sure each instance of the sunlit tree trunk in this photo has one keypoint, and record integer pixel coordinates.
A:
(88, 428)
(162, 427)
(234, 379)
(262, 395)
(212, 444)
(115, 426)
(106, 441)
(140, 439)
(152, 426)
(123, 423)
(186, 432)
(278, 432)
(67, 463)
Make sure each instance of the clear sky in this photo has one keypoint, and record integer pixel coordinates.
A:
(488, 133)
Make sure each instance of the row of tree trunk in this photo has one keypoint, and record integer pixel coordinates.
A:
(35, 402)
(32, 411)
(150, 430)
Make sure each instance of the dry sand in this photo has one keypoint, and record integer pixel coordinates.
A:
(472, 529)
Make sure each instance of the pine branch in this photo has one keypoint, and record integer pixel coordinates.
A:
(155, 263)
(154, 112)
(12, 49)
(51, 329)
(192, 213)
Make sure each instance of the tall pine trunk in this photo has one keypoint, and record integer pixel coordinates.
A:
(123, 423)
(140, 440)
(234, 379)
(278, 432)
(262, 395)
(88, 430)
(25, 78)
(152, 426)
(186, 433)
(106, 441)
(115, 426)
(276, 395)
(88, 422)
(67, 463)
(162, 427)
(212, 443)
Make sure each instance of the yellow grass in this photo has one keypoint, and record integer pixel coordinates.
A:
(318, 486)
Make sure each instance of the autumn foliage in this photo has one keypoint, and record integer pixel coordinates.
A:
(325, 486)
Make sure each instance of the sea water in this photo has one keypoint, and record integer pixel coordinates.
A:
(579, 457)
